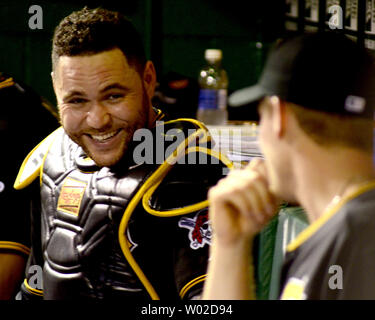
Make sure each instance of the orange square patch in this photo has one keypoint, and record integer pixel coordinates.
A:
(71, 196)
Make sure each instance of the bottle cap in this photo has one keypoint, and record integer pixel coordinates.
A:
(213, 54)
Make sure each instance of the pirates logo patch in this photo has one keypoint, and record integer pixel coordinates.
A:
(200, 231)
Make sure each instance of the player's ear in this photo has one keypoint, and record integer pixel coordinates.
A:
(278, 115)
(149, 79)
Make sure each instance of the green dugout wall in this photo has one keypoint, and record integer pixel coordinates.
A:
(271, 246)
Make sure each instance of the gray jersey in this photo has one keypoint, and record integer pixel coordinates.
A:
(334, 258)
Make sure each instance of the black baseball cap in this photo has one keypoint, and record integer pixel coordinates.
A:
(323, 71)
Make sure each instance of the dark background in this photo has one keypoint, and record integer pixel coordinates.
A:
(175, 33)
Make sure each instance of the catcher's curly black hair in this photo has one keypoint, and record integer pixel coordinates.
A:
(91, 31)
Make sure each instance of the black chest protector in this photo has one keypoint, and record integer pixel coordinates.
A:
(124, 231)
(82, 206)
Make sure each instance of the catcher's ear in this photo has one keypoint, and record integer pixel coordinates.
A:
(149, 78)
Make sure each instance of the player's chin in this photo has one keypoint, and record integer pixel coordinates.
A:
(106, 161)
(275, 188)
(281, 193)
(109, 157)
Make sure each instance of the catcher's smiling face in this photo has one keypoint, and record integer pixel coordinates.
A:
(102, 101)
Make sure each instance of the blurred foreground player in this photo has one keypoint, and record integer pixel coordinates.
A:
(316, 132)
(116, 222)
(24, 119)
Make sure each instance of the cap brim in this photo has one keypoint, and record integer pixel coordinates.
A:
(246, 95)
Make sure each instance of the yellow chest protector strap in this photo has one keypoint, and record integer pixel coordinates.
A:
(31, 166)
(145, 192)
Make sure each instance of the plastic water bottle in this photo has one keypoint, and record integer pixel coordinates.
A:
(213, 82)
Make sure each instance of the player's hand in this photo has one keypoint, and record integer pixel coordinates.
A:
(241, 204)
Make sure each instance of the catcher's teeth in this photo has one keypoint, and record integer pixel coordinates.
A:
(103, 137)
